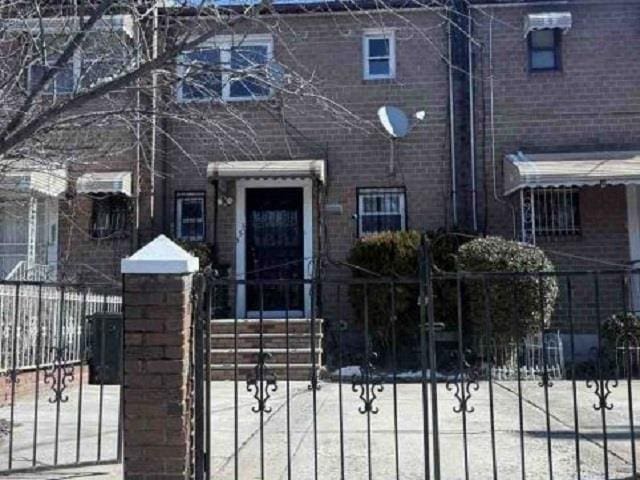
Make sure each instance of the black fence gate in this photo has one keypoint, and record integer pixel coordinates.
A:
(447, 375)
(60, 356)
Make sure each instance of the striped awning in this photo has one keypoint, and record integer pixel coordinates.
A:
(268, 169)
(31, 177)
(570, 169)
(544, 21)
(105, 182)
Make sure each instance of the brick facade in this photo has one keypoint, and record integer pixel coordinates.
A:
(357, 154)
(591, 104)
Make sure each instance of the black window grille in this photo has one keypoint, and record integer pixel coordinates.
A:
(110, 216)
(190, 216)
(557, 212)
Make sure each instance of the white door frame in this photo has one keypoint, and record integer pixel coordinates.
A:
(307, 230)
(633, 231)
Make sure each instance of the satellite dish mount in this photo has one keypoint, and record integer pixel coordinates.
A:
(397, 125)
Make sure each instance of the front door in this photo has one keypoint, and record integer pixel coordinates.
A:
(274, 250)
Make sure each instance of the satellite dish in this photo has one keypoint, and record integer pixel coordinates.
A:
(394, 121)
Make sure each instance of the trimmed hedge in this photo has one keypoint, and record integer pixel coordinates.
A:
(397, 255)
(620, 328)
(518, 305)
(394, 255)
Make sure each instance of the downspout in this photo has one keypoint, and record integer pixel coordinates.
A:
(452, 133)
(136, 225)
(496, 196)
(216, 196)
(472, 127)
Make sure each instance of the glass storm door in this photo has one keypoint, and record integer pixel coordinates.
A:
(275, 248)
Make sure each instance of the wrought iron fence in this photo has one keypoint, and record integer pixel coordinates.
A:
(60, 354)
(31, 313)
(507, 393)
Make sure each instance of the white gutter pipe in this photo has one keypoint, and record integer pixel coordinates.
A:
(472, 129)
(452, 135)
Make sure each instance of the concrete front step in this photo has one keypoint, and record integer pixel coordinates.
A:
(277, 355)
(300, 371)
(269, 325)
(245, 334)
(269, 340)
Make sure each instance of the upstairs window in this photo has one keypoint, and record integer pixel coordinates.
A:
(544, 49)
(226, 71)
(380, 210)
(110, 216)
(95, 70)
(248, 63)
(203, 75)
(190, 216)
(63, 81)
(379, 55)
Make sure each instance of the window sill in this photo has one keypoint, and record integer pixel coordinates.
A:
(379, 81)
(551, 72)
(550, 239)
(222, 101)
(112, 236)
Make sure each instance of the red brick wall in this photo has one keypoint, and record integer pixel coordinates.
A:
(157, 311)
(592, 104)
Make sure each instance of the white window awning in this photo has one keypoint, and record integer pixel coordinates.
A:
(63, 24)
(544, 21)
(30, 177)
(268, 169)
(105, 182)
(570, 169)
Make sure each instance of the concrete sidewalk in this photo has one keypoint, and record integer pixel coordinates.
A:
(358, 452)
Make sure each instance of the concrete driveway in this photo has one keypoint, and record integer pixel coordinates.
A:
(410, 438)
(355, 444)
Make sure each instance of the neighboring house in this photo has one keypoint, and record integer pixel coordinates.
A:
(557, 134)
(67, 214)
(29, 195)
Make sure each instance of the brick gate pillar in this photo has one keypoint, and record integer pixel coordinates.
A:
(157, 321)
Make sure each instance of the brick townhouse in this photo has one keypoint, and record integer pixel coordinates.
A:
(537, 144)
(555, 118)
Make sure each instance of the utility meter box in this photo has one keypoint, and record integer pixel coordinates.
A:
(105, 348)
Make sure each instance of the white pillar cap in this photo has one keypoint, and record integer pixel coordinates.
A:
(161, 256)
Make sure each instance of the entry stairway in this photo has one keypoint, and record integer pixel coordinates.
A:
(274, 343)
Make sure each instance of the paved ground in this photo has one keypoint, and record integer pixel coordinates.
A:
(97, 431)
(355, 445)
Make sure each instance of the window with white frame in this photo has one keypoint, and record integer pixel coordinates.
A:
(225, 70)
(190, 216)
(381, 209)
(82, 72)
(379, 55)
(98, 69)
(550, 212)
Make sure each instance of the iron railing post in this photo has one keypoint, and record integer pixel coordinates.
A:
(433, 365)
